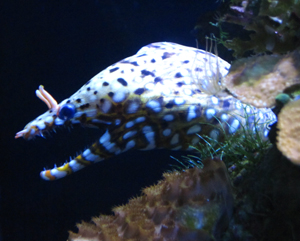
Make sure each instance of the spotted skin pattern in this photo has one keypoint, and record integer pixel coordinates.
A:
(146, 101)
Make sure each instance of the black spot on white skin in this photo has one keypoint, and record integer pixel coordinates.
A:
(134, 63)
(157, 79)
(178, 75)
(122, 81)
(88, 88)
(226, 104)
(95, 92)
(146, 72)
(179, 84)
(153, 60)
(102, 100)
(186, 61)
(87, 82)
(154, 46)
(169, 105)
(82, 107)
(198, 69)
(127, 62)
(78, 100)
(139, 91)
(226, 68)
(113, 70)
(69, 101)
(199, 91)
(132, 70)
(110, 94)
(105, 83)
(176, 92)
(166, 55)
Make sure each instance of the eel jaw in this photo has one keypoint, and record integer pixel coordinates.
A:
(43, 122)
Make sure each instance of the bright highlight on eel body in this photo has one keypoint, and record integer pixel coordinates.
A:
(159, 98)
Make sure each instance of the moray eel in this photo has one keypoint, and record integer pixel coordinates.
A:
(160, 97)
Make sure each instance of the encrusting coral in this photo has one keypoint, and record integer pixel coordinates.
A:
(289, 131)
(258, 80)
(194, 204)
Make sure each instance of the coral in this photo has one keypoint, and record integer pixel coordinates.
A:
(258, 80)
(273, 26)
(289, 131)
(194, 204)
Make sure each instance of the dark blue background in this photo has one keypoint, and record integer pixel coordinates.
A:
(62, 44)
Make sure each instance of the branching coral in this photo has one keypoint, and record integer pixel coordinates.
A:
(273, 26)
(195, 204)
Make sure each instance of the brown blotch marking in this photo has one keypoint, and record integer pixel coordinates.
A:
(119, 109)
(82, 118)
(182, 116)
(164, 124)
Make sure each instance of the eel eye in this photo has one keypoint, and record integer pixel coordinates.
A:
(67, 111)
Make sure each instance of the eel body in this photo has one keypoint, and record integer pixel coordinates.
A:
(160, 97)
